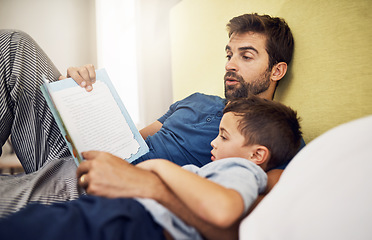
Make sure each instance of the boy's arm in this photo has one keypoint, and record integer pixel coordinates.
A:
(169, 200)
(211, 202)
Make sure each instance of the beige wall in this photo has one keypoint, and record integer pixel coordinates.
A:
(330, 80)
(65, 29)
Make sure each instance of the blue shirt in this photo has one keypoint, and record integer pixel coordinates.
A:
(189, 126)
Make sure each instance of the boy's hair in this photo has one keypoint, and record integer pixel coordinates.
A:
(270, 124)
(280, 43)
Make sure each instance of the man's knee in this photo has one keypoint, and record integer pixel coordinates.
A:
(14, 37)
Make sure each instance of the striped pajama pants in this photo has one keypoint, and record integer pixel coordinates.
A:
(50, 172)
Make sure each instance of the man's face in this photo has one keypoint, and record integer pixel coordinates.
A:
(247, 65)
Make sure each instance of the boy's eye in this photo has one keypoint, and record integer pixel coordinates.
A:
(223, 138)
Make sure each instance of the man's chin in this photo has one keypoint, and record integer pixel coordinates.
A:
(229, 92)
(228, 95)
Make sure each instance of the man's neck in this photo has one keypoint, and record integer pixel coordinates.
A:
(266, 95)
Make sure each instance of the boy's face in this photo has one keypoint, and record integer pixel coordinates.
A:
(230, 142)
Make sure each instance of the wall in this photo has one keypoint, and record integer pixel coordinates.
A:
(154, 58)
(64, 29)
(329, 82)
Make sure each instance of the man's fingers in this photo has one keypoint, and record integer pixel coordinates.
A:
(83, 180)
(83, 168)
(85, 76)
(92, 72)
(89, 155)
(89, 74)
(84, 73)
(73, 73)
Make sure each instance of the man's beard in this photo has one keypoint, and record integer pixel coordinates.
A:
(245, 89)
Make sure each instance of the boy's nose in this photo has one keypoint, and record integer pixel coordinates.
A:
(213, 144)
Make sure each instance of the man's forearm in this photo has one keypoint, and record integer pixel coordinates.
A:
(273, 177)
(150, 129)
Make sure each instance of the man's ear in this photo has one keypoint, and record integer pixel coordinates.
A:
(278, 71)
(260, 155)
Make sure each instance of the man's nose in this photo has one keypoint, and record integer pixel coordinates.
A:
(231, 65)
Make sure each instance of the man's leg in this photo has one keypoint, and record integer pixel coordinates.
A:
(86, 218)
(23, 111)
(37, 141)
(54, 182)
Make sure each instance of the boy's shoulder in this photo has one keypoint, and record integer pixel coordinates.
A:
(234, 173)
(230, 165)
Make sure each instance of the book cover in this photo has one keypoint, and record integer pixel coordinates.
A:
(96, 120)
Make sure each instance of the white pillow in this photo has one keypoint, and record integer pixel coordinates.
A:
(324, 193)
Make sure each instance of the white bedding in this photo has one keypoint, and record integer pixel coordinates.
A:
(324, 193)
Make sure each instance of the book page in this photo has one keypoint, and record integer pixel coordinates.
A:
(94, 120)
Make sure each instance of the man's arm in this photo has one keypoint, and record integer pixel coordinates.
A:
(109, 176)
(272, 179)
(150, 129)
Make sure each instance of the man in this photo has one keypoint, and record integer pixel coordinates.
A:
(255, 53)
(258, 53)
(258, 57)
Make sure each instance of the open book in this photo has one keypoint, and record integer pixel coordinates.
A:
(96, 120)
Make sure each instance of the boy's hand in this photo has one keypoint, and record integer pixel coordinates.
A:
(85, 76)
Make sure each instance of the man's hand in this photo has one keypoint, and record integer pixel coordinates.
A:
(106, 175)
(85, 76)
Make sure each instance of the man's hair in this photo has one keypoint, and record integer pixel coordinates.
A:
(270, 124)
(280, 43)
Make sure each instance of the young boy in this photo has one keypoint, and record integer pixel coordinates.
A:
(254, 135)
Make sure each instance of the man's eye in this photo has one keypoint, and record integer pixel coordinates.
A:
(246, 58)
(228, 57)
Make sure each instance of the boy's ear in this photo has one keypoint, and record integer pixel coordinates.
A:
(278, 71)
(260, 155)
